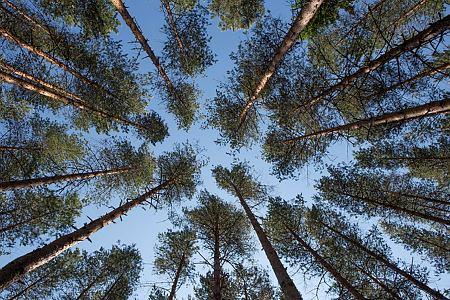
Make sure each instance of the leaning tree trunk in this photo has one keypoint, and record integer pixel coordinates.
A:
(302, 20)
(120, 7)
(173, 289)
(174, 27)
(327, 266)
(28, 183)
(425, 110)
(286, 283)
(82, 294)
(24, 15)
(418, 40)
(5, 33)
(435, 294)
(398, 209)
(52, 94)
(111, 288)
(20, 266)
(217, 269)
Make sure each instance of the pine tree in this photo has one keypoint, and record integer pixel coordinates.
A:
(236, 14)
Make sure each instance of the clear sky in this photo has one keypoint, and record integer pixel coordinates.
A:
(141, 227)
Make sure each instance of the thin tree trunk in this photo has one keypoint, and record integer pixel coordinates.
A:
(111, 287)
(173, 289)
(5, 33)
(418, 40)
(425, 110)
(120, 7)
(302, 20)
(30, 286)
(15, 225)
(286, 283)
(12, 148)
(28, 183)
(327, 266)
(24, 15)
(399, 209)
(435, 294)
(415, 158)
(174, 26)
(91, 284)
(20, 266)
(378, 282)
(427, 199)
(82, 105)
(217, 269)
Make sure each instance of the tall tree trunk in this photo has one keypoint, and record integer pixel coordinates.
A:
(418, 40)
(174, 27)
(217, 269)
(425, 110)
(399, 209)
(423, 198)
(82, 105)
(24, 15)
(29, 220)
(13, 148)
(30, 286)
(435, 294)
(120, 7)
(173, 289)
(28, 183)
(108, 292)
(378, 282)
(327, 266)
(301, 21)
(286, 283)
(89, 286)
(8, 35)
(20, 266)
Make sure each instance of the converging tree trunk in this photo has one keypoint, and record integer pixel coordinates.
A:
(20, 266)
(327, 266)
(418, 40)
(286, 283)
(173, 26)
(435, 294)
(301, 21)
(120, 7)
(425, 110)
(174, 286)
(217, 268)
(28, 183)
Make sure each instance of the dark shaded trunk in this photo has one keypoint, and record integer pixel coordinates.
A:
(91, 284)
(307, 13)
(435, 294)
(418, 40)
(52, 94)
(28, 183)
(173, 289)
(29, 287)
(15, 225)
(217, 269)
(108, 292)
(398, 209)
(120, 7)
(287, 285)
(425, 110)
(20, 266)
(327, 266)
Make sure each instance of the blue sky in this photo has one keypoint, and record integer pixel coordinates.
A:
(141, 227)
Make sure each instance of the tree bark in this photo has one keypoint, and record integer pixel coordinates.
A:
(425, 110)
(217, 269)
(24, 15)
(8, 35)
(20, 266)
(120, 7)
(399, 209)
(28, 183)
(286, 283)
(435, 294)
(173, 289)
(112, 287)
(327, 266)
(174, 26)
(30, 286)
(418, 40)
(82, 105)
(301, 21)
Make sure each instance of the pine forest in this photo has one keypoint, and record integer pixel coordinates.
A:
(224, 149)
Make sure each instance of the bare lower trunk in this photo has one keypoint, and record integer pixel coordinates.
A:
(120, 7)
(303, 18)
(327, 266)
(426, 110)
(20, 266)
(392, 266)
(28, 183)
(286, 283)
(52, 94)
(418, 40)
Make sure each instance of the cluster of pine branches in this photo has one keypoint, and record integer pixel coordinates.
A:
(370, 74)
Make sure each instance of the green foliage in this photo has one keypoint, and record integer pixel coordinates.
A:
(236, 14)
(182, 102)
